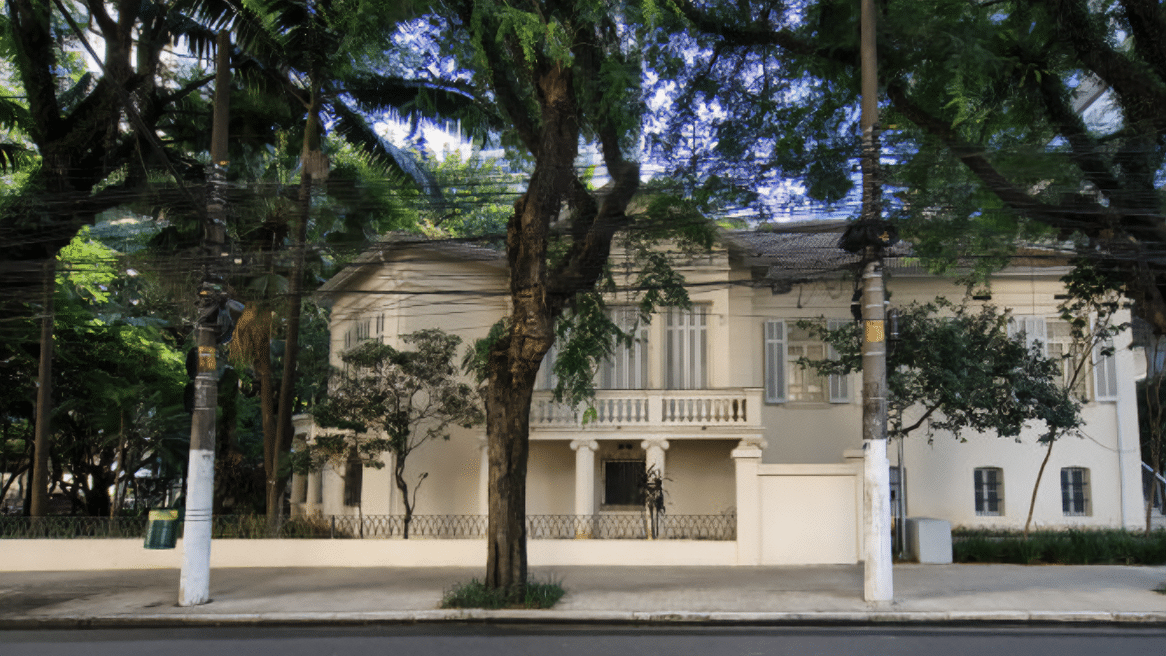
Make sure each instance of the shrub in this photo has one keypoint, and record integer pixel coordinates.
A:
(475, 594)
(1069, 547)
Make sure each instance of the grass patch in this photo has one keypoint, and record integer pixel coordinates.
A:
(1068, 547)
(475, 594)
(1161, 589)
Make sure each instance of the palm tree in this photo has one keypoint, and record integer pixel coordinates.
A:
(326, 60)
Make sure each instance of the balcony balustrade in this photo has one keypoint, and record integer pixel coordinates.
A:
(648, 409)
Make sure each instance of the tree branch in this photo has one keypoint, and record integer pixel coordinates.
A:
(1143, 94)
(185, 90)
(1148, 25)
(759, 34)
(973, 157)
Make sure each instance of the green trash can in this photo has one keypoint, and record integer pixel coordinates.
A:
(162, 529)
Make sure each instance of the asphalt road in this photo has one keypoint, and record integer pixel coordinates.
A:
(588, 640)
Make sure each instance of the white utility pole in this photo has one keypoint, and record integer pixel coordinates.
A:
(194, 585)
(877, 580)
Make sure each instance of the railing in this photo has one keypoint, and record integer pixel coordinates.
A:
(629, 526)
(647, 408)
(222, 526)
(632, 527)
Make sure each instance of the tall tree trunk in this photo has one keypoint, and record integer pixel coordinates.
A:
(120, 474)
(313, 165)
(515, 359)
(269, 418)
(44, 395)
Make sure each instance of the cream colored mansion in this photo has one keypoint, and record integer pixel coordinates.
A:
(762, 459)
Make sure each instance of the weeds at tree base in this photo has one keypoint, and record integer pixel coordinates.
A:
(1071, 547)
(475, 594)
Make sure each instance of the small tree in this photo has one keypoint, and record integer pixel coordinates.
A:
(961, 370)
(964, 371)
(391, 400)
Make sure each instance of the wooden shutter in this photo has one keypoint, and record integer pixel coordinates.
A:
(839, 383)
(775, 372)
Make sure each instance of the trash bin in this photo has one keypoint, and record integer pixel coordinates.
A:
(162, 529)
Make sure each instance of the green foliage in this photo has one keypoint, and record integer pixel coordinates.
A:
(117, 382)
(986, 141)
(1068, 547)
(392, 400)
(475, 594)
(477, 359)
(956, 368)
(584, 337)
(399, 399)
(478, 197)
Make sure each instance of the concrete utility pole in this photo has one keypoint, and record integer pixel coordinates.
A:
(194, 585)
(877, 581)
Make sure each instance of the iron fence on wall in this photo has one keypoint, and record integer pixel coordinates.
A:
(628, 526)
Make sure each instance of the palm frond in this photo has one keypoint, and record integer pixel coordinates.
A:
(11, 156)
(375, 93)
(13, 115)
(355, 129)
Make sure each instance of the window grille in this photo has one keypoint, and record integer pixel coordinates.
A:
(989, 482)
(622, 482)
(1075, 491)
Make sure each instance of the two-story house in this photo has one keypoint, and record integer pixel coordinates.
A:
(759, 455)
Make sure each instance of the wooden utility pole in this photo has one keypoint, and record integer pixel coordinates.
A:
(194, 585)
(877, 579)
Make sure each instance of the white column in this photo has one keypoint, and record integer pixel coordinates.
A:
(483, 476)
(584, 476)
(654, 454)
(746, 457)
(299, 489)
(312, 503)
(1129, 452)
(332, 490)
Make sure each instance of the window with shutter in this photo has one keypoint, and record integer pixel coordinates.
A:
(839, 383)
(547, 380)
(1104, 372)
(627, 368)
(774, 361)
(804, 383)
(686, 348)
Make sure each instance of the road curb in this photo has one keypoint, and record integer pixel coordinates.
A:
(565, 617)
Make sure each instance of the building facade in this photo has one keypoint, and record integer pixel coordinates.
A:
(753, 449)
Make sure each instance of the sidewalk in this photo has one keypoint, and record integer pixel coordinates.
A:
(745, 595)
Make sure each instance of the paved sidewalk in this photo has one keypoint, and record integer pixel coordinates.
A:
(754, 595)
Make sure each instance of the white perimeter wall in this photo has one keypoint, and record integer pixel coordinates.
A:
(54, 555)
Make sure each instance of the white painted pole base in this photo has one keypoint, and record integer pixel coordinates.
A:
(194, 585)
(877, 579)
